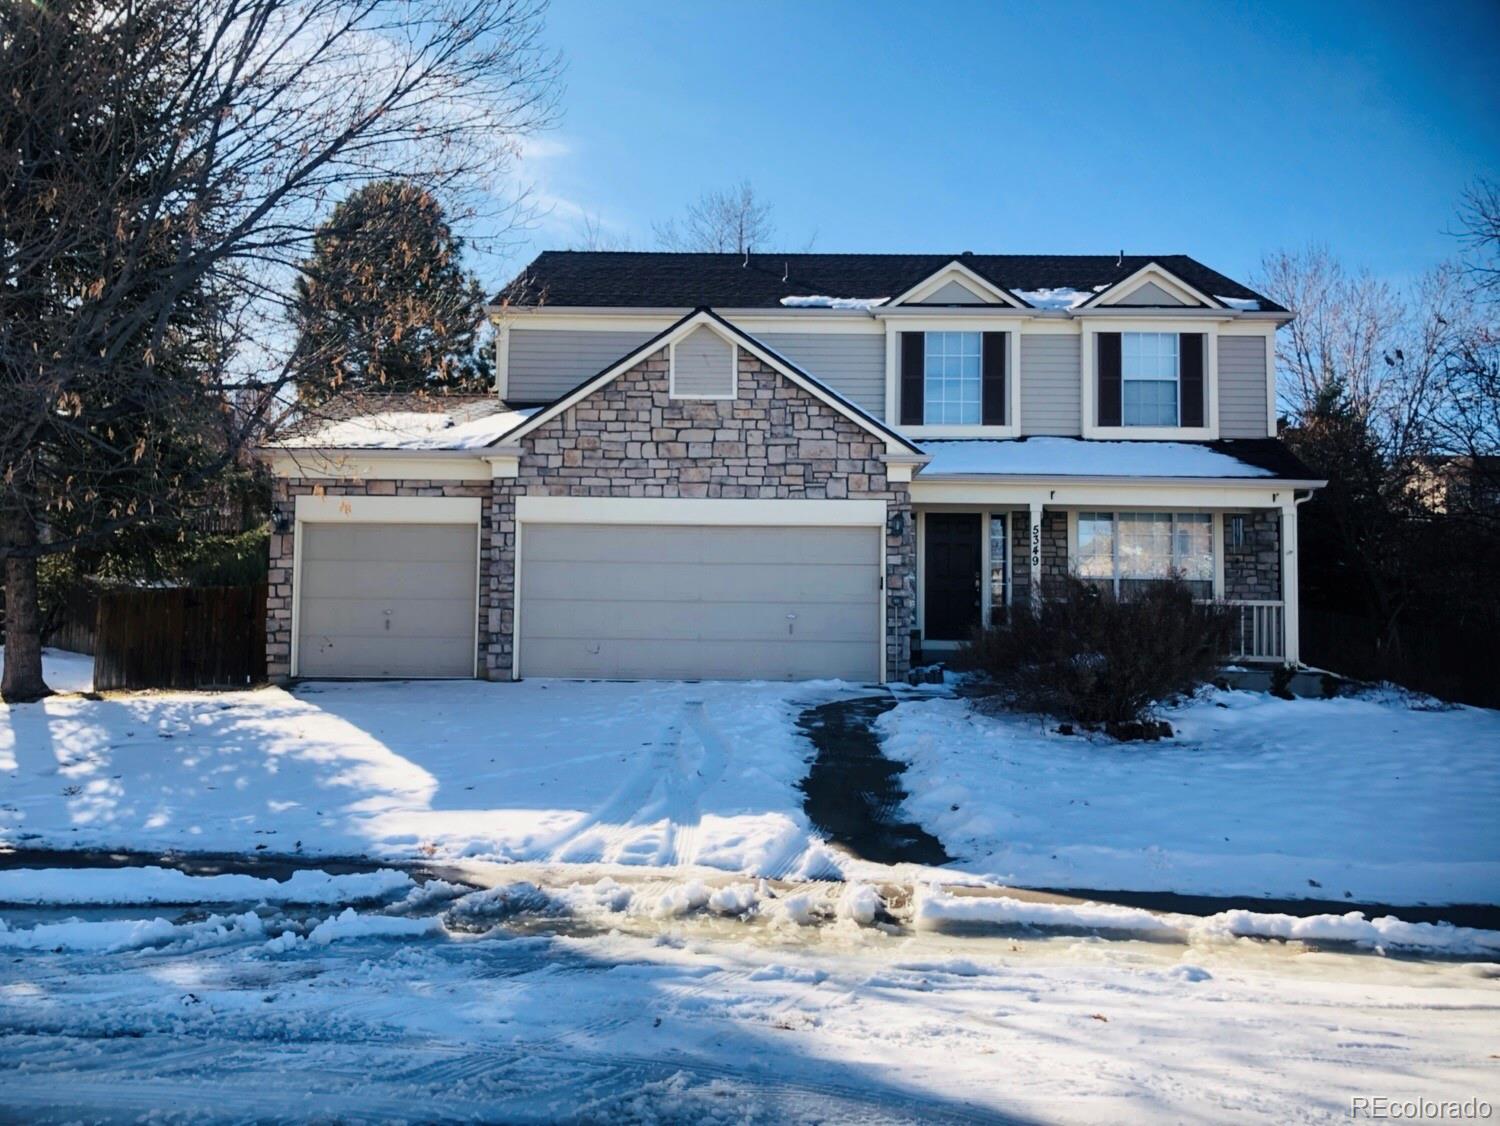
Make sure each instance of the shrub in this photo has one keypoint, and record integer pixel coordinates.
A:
(1095, 659)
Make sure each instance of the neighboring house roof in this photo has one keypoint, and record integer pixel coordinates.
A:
(680, 329)
(587, 278)
(1239, 458)
(404, 422)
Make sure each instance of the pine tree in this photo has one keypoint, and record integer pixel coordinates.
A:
(385, 303)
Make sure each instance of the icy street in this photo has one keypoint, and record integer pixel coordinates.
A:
(657, 1000)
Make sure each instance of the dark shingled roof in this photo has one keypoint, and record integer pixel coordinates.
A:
(572, 278)
(1270, 454)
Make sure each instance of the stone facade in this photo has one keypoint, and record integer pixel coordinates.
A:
(285, 490)
(1054, 553)
(1252, 568)
(630, 438)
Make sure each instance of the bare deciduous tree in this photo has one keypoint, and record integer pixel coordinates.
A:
(164, 165)
(719, 222)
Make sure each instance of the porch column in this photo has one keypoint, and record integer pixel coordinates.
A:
(1034, 546)
(1289, 598)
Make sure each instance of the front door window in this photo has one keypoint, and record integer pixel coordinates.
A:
(999, 572)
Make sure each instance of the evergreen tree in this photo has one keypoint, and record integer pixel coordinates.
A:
(385, 303)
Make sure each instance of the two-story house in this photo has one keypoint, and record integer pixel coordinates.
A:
(794, 466)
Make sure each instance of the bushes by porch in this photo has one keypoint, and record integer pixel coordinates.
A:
(1098, 660)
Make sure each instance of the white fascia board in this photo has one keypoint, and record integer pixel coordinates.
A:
(376, 465)
(359, 509)
(1154, 312)
(1082, 492)
(700, 511)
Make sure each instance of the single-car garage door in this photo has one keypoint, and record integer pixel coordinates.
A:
(688, 602)
(387, 600)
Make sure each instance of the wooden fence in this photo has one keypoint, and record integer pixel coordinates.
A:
(181, 637)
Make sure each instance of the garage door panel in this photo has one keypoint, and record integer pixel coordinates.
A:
(386, 657)
(736, 621)
(384, 579)
(676, 582)
(416, 617)
(387, 600)
(592, 543)
(701, 660)
(396, 543)
(700, 601)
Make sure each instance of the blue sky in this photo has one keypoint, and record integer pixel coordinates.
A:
(1223, 131)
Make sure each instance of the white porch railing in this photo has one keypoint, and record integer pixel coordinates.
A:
(1259, 631)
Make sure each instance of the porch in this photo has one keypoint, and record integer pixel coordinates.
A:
(975, 561)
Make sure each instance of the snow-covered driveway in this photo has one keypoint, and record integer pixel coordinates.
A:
(663, 774)
(433, 1008)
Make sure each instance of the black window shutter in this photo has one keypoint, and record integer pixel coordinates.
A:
(1109, 379)
(992, 410)
(913, 362)
(1190, 353)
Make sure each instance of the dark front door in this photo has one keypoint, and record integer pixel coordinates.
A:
(951, 569)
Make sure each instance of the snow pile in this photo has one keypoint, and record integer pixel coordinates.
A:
(681, 899)
(64, 671)
(153, 885)
(483, 910)
(1060, 298)
(817, 301)
(1077, 457)
(1362, 798)
(860, 903)
(734, 899)
(105, 936)
(351, 924)
(1243, 304)
(936, 909)
(463, 428)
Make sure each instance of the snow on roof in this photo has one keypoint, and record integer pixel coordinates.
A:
(1075, 457)
(1059, 298)
(1243, 304)
(464, 427)
(817, 301)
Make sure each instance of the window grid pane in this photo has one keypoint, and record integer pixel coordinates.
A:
(1149, 377)
(951, 396)
(1126, 551)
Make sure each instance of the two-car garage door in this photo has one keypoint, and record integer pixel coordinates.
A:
(689, 601)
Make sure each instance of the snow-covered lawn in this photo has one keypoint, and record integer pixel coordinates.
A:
(661, 774)
(64, 671)
(1379, 798)
(442, 1005)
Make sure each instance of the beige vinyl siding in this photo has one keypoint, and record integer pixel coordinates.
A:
(703, 366)
(851, 363)
(953, 293)
(1049, 384)
(1148, 294)
(685, 602)
(546, 362)
(1242, 387)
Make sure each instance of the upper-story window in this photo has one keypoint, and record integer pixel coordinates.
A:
(947, 380)
(1149, 378)
(952, 383)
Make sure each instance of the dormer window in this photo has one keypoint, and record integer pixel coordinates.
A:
(1149, 374)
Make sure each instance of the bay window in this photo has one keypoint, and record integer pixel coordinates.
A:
(1122, 551)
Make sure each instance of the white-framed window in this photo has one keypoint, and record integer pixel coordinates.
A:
(1149, 378)
(1125, 550)
(953, 380)
(999, 567)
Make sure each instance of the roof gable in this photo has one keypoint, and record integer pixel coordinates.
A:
(1151, 280)
(681, 330)
(937, 289)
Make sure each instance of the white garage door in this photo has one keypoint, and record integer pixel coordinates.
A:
(688, 602)
(387, 600)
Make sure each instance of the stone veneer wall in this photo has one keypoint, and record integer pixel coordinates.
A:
(279, 580)
(1252, 571)
(632, 439)
(1054, 553)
